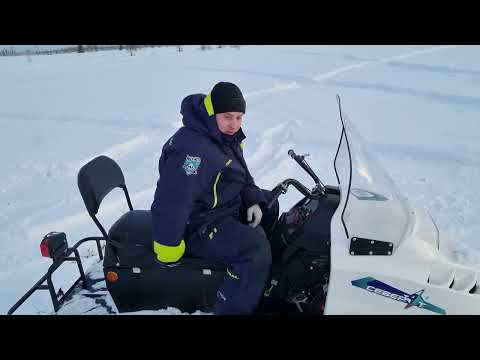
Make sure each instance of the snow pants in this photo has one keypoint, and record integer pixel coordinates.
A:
(247, 254)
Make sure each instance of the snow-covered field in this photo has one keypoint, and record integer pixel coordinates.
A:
(418, 106)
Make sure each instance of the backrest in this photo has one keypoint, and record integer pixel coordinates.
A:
(96, 179)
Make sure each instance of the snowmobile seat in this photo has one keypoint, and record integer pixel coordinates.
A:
(143, 282)
(132, 238)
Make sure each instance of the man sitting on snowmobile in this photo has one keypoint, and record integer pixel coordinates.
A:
(206, 203)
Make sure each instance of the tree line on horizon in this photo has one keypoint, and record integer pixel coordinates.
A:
(91, 48)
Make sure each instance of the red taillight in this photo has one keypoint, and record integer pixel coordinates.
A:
(54, 245)
(44, 247)
(322, 308)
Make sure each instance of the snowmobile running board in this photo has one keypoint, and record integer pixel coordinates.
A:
(60, 297)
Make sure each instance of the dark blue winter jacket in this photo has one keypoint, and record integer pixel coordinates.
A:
(203, 177)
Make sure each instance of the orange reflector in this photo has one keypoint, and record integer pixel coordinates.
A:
(112, 276)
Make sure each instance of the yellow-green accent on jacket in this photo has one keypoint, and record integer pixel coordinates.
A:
(168, 254)
(217, 179)
(215, 196)
(208, 105)
(232, 275)
(212, 233)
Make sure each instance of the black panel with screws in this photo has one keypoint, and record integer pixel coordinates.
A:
(362, 246)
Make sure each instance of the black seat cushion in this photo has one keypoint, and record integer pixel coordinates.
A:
(132, 232)
(133, 227)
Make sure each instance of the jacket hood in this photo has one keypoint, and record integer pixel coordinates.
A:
(195, 117)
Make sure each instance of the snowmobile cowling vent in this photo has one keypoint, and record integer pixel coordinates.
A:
(96, 179)
(362, 246)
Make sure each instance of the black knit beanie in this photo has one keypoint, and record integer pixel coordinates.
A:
(227, 97)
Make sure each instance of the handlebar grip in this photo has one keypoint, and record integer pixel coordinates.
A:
(297, 158)
(276, 192)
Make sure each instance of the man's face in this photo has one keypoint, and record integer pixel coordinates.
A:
(230, 122)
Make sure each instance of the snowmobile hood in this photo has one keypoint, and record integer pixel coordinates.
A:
(195, 117)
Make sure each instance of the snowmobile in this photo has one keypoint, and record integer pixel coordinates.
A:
(354, 248)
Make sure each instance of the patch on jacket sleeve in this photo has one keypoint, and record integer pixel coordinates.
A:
(191, 165)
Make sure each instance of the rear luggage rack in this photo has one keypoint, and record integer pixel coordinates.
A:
(58, 298)
(95, 180)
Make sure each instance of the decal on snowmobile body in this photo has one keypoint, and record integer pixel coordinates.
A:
(416, 299)
(362, 194)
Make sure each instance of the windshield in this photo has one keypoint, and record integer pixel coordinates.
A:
(373, 207)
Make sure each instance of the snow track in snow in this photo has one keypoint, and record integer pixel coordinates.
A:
(333, 73)
(275, 89)
(74, 221)
(118, 151)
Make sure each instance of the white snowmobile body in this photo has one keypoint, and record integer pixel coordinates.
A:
(402, 270)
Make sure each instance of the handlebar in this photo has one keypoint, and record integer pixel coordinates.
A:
(282, 188)
(300, 159)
